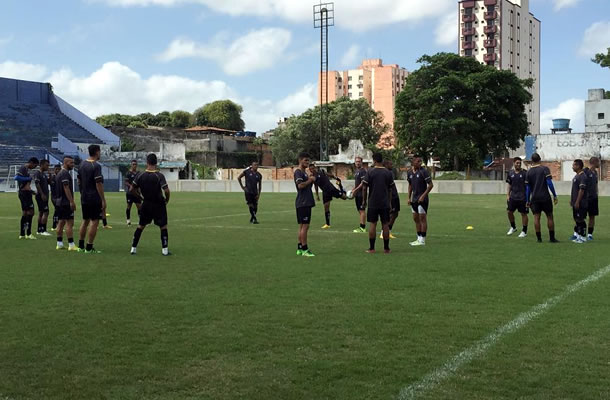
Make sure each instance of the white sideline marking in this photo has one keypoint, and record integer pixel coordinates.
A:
(227, 216)
(448, 369)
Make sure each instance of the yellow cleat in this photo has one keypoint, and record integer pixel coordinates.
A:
(73, 248)
(107, 215)
(60, 248)
(325, 226)
(107, 227)
(31, 237)
(21, 237)
(392, 236)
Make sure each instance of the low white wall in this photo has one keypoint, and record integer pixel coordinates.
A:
(443, 187)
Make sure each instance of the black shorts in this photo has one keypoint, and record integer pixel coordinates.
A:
(420, 208)
(593, 208)
(327, 196)
(579, 214)
(359, 201)
(153, 212)
(251, 198)
(375, 214)
(517, 205)
(395, 205)
(304, 215)
(539, 207)
(131, 199)
(64, 213)
(92, 211)
(26, 199)
(43, 206)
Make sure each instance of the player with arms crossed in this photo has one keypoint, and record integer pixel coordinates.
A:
(304, 203)
(538, 183)
(593, 195)
(515, 197)
(65, 205)
(252, 189)
(420, 185)
(130, 176)
(152, 186)
(93, 201)
(41, 180)
(328, 191)
(26, 194)
(579, 201)
(357, 194)
(378, 185)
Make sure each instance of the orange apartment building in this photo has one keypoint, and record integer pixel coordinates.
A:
(377, 83)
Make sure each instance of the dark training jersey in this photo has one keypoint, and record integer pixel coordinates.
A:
(304, 196)
(130, 176)
(41, 179)
(536, 178)
(151, 185)
(580, 181)
(379, 181)
(323, 182)
(358, 176)
(516, 180)
(593, 186)
(252, 180)
(24, 172)
(419, 181)
(53, 186)
(89, 174)
(63, 179)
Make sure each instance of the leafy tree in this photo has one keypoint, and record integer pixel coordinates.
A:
(602, 59)
(114, 120)
(461, 111)
(347, 119)
(163, 119)
(147, 119)
(223, 114)
(180, 119)
(136, 123)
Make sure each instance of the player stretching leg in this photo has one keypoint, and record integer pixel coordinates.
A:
(378, 185)
(538, 183)
(579, 201)
(25, 197)
(515, 197)
(357, 194)
(304, 203)
(328, 191)
(130, 176)
(252, 189)
(420, 185)
(65, 205)
(149, 185)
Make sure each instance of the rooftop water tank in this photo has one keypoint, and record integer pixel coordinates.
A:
(561, 124)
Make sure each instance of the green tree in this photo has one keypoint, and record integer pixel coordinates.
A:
(223, 114)
(163, 119)
(461, 111)
(180, 119)
(114, 120)
(347, 119)
(147, 119)
(602, 59)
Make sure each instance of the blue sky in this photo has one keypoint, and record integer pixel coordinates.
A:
(133, 56)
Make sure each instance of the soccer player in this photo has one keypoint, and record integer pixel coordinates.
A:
(25, 193)
(579, 201)
(357, 193)
(41, 180)
(394, 203)
(304, 203)
(252, 189)
(538, 183)
(93, 201)
(593, 195)
(54, 192)
(65, 205)
(378, 185)
(328, 191)
(152, 187)
(130, 176)
(515, 197)
(420, 185)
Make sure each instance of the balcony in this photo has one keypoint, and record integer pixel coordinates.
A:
(468, 31)
(468, 45)
(468, 4)
(468, 18)
(490, 57)
(491, 29)
(490, 43)
(490, 2)
(490, 15)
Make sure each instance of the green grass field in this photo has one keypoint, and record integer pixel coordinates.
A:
(235, 314)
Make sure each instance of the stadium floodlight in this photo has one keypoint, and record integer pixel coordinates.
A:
(323, 18)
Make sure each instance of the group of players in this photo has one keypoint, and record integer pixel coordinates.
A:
(148, 190)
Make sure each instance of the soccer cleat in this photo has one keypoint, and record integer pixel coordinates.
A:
(590, 238)
(31, 237)
(169, 253)
(522, 235)
(44, 234)
(21, 237)
(573, 237)
(107, 215)
(299, 252)
(165, 252)
(255, 222)
(93, 251)
(128, 222)
(74, 248)
(359, 230)
(325, 226)
(107, 227)
(58, 247)
(418, 243)
(554, 241)
(539, 240)
(511, 231)
(307, 253)
(371, 251)
(381, 236)
(387, 251)
(414, 243)
(392, 236)
(578, 240)
(133, 251)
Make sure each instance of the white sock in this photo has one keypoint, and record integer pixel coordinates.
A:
(165, 251)
(60, 244)
(133, 250)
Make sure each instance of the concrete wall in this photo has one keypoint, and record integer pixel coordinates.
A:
(594, 106)
(441, 187)
(572, 146)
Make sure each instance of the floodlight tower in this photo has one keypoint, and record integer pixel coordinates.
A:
(323, 17)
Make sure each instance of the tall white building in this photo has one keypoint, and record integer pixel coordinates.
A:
(505, 34)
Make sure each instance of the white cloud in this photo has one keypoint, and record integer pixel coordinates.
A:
(257, 50)
(353, 15)
(116, 88)
(559, 4)
(446, 32)
(350, 57)
(573, 109)
(596, 39)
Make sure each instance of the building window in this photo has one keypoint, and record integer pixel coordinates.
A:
(349, 86)
(349, 78)
(601, 116)
(360, 94)
(360, 77)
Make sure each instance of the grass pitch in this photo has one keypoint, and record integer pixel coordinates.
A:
(235, 314)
